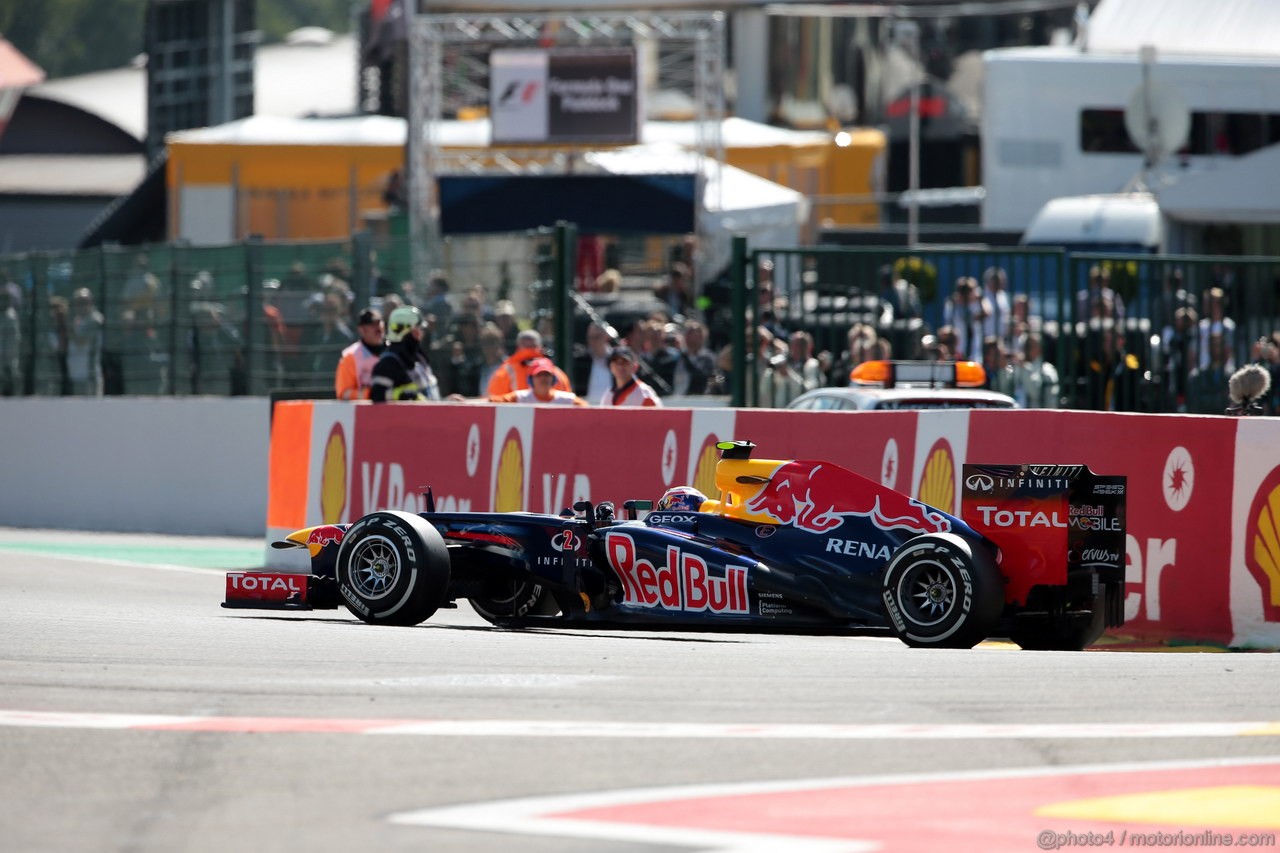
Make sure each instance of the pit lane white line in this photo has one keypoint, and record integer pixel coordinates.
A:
(613, 729)
(129, 564)
(553, 815)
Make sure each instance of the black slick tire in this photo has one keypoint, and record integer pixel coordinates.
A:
(942, 591)
(392, 569)
(509, 601)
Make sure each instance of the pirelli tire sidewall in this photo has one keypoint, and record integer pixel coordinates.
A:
(415, 569)
(965, 577)
(514, 600)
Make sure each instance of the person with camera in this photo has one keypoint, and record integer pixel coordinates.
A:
(792, 373)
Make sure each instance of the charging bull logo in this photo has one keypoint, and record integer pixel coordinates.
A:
(817, 497)
(326, 534)
(1262, 550)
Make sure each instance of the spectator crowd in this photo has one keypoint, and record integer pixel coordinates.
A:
(307, 332)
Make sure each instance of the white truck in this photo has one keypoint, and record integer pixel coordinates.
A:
(1116, 222)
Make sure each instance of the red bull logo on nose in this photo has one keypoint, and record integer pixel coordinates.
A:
(326, 534)
(817, 497)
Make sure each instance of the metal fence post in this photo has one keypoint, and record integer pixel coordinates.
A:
(253, 319)
(738, 332)
(35, 304)
(110, 357)
(175, 286)
(561, 313)
(102, 296)
(362, 267)
(1066, 369)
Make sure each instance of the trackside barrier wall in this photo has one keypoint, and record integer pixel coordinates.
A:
(1203, 551)
(193, 466)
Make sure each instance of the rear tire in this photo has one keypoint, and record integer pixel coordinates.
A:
(393, 569)
(942, 591)
(508, 601)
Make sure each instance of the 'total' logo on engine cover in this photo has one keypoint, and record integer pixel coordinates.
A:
(684, 583)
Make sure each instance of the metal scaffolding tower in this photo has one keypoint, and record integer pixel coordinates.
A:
(449, 68)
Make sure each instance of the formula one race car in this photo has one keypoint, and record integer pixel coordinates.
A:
(788, 546)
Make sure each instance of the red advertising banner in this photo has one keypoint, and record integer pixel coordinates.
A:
(614, 455)
(401, 450)
(1179, 503)
(1186, 477)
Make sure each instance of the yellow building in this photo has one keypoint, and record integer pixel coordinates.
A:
(302, 178)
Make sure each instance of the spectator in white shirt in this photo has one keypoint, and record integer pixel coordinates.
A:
(627, 389)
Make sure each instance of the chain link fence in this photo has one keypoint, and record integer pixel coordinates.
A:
(1121, 332)
(262, 317)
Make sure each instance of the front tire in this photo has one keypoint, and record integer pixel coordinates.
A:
(393, 569)
(942, 591)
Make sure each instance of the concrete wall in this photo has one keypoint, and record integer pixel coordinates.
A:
(32, 222)
(195, 466)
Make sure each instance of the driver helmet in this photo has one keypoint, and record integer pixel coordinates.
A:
(401, 322)
(681, 499)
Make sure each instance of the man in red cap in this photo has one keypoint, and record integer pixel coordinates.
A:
(542, 388)
(513, 375)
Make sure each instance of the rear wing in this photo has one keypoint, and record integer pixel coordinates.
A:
(1049, 521)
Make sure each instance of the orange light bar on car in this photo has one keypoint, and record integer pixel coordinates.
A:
(872, 373)
(931, 374)
(969, 374)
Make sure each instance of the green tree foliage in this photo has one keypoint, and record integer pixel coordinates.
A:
(278, 17)
(919, 272)
(66, 37)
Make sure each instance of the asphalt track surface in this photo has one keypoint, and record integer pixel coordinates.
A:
(137, 715)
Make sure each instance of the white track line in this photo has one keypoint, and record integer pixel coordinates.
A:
(536, 815)
(129, 564)
(642, 730)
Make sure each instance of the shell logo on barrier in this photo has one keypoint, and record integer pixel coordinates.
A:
(1179, 478)
(670, 446)
(473, 450)
(508, 492)
(938, 481)
(704, 477)
(333, 476)
(889, 465)
(1262, 551)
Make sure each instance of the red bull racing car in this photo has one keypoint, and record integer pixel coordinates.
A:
(1037, 555)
